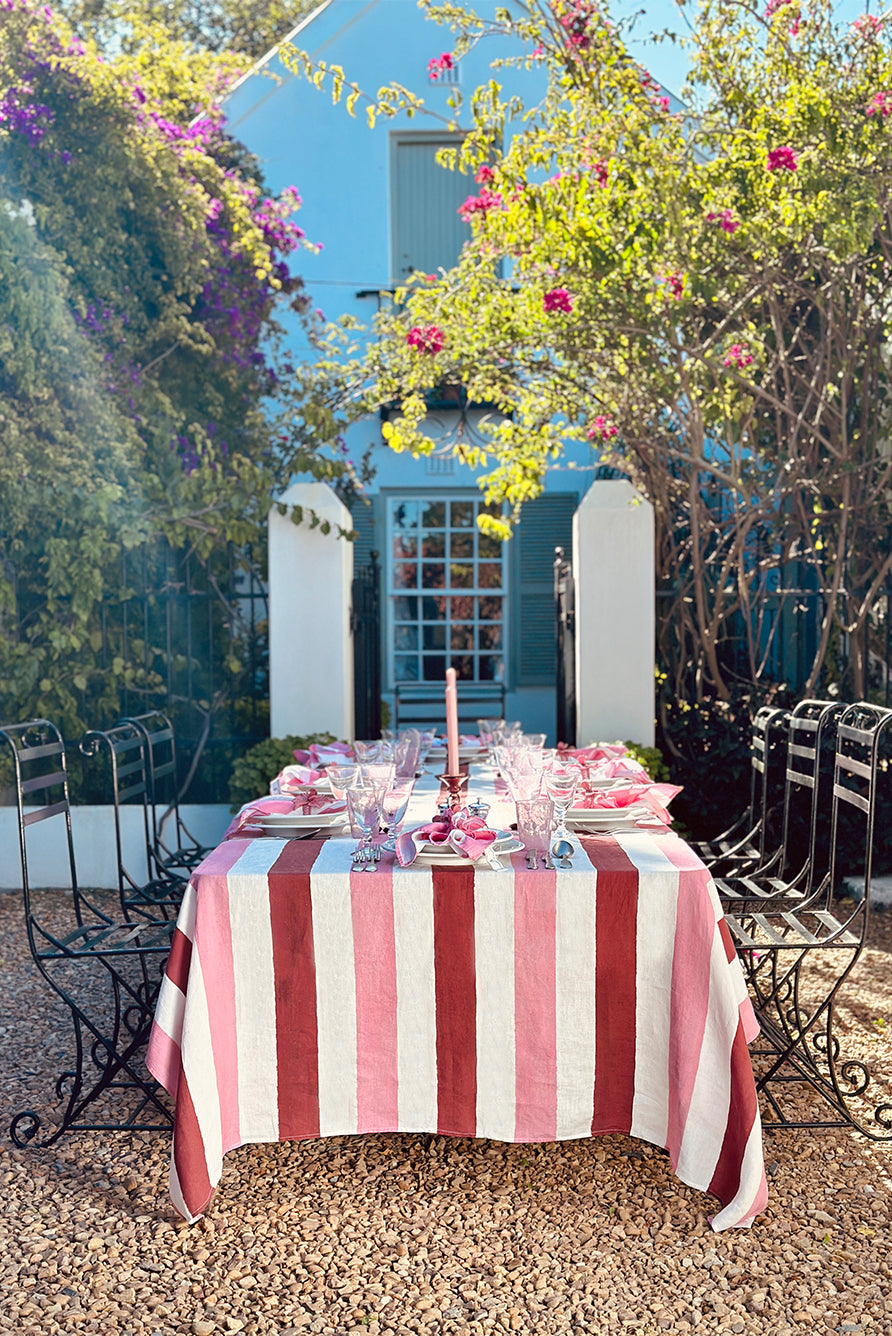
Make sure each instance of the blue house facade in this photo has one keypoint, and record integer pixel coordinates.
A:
(382, 207)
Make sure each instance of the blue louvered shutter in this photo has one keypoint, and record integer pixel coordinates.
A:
(545, 524)
(427, 231)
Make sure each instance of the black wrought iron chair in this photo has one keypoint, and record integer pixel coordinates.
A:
(180, 855)
(107, 973)
(799, 863)
(747, 843)
(147, 891)
(796, 959)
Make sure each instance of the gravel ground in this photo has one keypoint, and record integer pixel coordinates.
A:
(398, 1234)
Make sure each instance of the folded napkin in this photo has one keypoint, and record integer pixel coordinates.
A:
(616, 767)
(656, 796)
(248, 818)
(294, 778)
(602, 751)
(332, 753)
(462, 831)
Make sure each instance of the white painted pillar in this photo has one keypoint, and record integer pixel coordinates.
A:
(310, 643)
(613, 567)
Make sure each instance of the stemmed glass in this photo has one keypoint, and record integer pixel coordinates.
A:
(392, 810)
(560, 786)
(364, 810)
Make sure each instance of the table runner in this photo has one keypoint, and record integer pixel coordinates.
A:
(302, 999)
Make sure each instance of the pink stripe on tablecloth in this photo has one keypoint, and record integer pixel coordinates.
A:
(616, 957)
(294, 968)
(374, 961)
(456, 1001)
(695, 928)
(535, 1005)
(213, 942)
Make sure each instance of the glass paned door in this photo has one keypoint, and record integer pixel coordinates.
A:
(446, 591)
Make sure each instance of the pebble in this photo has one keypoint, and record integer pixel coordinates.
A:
(409, 1235)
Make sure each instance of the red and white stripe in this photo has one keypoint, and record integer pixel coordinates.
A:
(304, 999)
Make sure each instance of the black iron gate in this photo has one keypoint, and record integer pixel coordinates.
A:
(365, 623)
(565, 641)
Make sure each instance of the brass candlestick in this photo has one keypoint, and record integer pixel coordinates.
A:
(454, 786)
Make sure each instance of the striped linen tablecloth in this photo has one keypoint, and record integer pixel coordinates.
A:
(302, 999)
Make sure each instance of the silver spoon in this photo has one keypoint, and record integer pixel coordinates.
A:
(563, 850)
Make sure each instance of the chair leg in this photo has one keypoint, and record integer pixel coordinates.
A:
(108, 1058)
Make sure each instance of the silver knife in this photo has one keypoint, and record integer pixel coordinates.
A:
(549, 862)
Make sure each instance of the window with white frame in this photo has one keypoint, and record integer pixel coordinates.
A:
(446, 590)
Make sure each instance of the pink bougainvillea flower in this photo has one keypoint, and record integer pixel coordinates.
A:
(439, 64)
(782, 159)
(602, 429)
(484, 175)
(558, 299)
(725, 219)
(881, 105)
(482, 203)
(675, 284)
(738, 355)
(427, 339)
(600, 170)
(868, 24)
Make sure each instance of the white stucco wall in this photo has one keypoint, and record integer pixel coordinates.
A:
(93, 831)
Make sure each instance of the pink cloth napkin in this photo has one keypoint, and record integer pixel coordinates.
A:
(332, 753)
(248, 818)
(656, 796)
(616, 767)
(294, 778)
(465, 833)
(604, 751)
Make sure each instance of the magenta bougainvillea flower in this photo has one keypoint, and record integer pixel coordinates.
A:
(775, 6)
(725, 219)
(602, 429)
(675, 284)
(868, 24)
(484, 175)
(482, 203)
(738, 355)
(558, 299)
(782, 159)
(880, 105)
(427, 339)
(439, 64)
(600, 171)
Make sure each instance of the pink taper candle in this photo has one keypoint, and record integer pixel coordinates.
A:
(451, 721)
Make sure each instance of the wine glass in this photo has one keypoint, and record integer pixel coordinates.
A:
(394, 801)
(364, 810)
(341, 777)
(560, 786)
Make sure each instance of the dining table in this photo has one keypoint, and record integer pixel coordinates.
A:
(308, 996)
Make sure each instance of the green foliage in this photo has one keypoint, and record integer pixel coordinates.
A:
(145, 399)
(251, 773)
(702, 296)
(652, 760)
(247, 28)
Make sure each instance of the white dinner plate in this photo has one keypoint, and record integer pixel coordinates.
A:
(292, 832)
(316, 820)
(446, 856)
(582, 817)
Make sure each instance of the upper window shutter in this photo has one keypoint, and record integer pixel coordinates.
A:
(545, 524)
(427, 231)
(368, 532)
